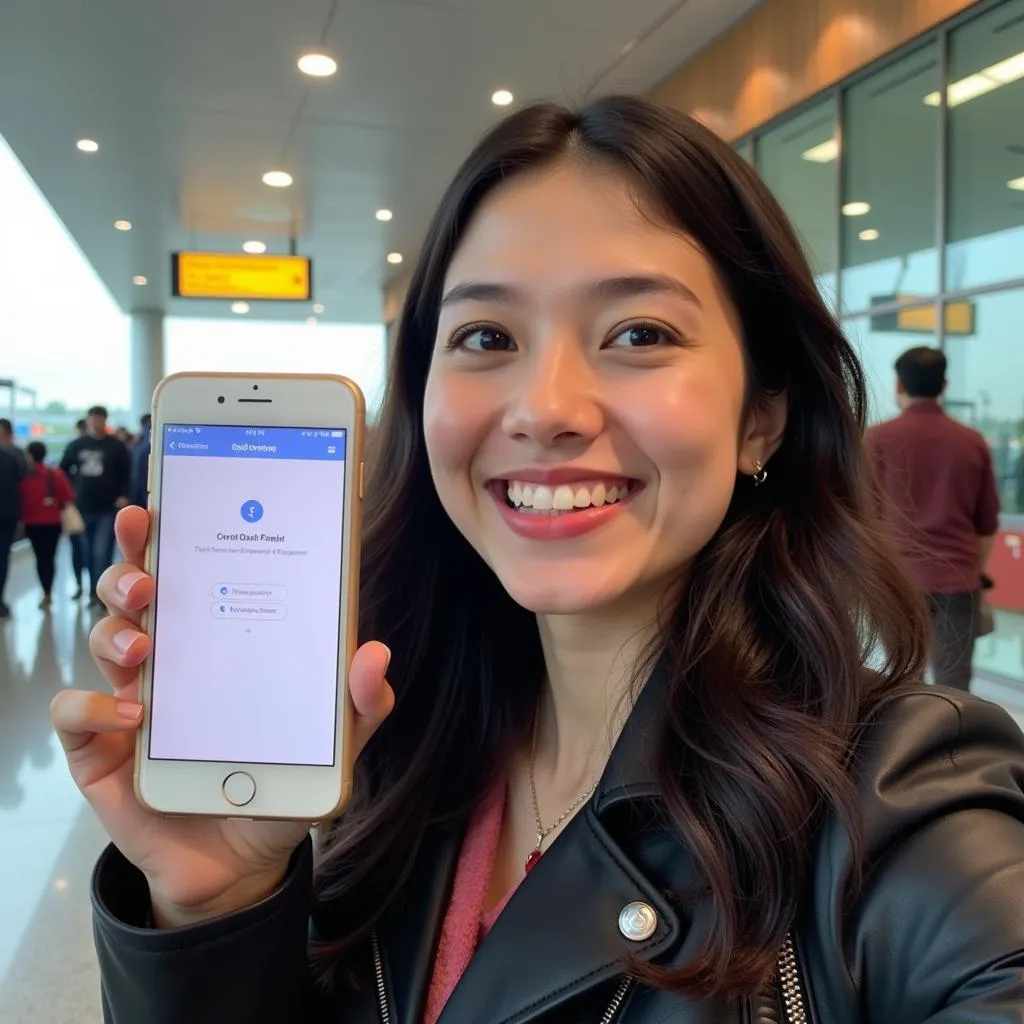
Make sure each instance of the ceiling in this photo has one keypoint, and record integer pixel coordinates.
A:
(192, 101)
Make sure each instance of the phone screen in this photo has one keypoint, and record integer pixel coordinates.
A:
(249, 588)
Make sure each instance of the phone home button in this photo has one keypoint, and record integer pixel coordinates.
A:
(239, 788)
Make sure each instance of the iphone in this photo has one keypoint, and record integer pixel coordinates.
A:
(255, 490)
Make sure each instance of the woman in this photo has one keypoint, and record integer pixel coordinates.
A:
(44, 492)
(620, 541)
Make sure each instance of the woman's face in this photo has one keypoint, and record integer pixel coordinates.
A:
(584, 403)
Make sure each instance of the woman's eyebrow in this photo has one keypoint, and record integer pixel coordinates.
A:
(622, 287)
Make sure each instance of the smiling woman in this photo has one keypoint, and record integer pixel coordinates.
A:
(622, 545)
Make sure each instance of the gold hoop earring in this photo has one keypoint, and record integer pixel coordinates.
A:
(760, 473)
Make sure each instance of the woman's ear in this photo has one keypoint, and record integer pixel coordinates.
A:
(763, 432)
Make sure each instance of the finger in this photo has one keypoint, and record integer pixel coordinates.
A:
(79, 715)
(126, 590)
(372, 696)
(119, 648)
(131, 527)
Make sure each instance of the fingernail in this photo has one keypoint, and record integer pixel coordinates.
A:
(130, 710)
(387, 664)
(123, 640)
(127, 581)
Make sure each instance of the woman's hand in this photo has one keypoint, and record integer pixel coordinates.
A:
(197, 867)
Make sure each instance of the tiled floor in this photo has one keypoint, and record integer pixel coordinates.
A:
(48, 837)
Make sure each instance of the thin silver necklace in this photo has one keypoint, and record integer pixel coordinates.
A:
(544, 831)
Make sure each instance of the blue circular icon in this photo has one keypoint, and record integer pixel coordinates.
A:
(252, 511)
(223, 591)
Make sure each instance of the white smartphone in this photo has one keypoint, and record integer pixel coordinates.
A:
(255, 488)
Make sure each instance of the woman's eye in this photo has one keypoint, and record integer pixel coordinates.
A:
(483, 339)
(642, 336)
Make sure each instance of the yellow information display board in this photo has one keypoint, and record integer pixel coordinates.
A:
(219, 275)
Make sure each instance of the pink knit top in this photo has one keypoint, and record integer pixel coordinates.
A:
(465, 923)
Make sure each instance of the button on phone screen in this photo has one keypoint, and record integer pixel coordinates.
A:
(249, 574)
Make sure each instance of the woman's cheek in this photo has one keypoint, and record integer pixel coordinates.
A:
(453, 426)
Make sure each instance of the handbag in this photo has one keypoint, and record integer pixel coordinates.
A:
(71, 521)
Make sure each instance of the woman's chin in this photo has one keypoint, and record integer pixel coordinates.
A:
(560, 596)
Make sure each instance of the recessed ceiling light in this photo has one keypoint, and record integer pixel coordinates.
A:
(254, 247)
(318, 308)
(823, 154)
(856, 209)
(502, 98)
(277, 179)
(311, 321)
(140, 280)
(1017, 184)
(869, 235)
(123, 225)
(394, 257)
(87, 145)
(241, 308)
(383, 215)
(317, 65)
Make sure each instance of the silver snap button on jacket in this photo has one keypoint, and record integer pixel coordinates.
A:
(638, 921)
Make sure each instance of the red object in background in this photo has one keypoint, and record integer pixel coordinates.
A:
(1006, 567)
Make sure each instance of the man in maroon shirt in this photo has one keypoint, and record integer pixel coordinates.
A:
(943, 507)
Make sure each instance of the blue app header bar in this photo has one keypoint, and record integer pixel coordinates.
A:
(217, 442)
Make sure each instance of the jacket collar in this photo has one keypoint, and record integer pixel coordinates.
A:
(631, 772)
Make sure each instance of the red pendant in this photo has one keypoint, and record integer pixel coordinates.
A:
(531, 861)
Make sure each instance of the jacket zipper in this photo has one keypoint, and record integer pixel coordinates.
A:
(791, 990)
(790, 987)
(378, 970)
(615, 1005)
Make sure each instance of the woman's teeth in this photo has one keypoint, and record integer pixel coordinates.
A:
(565, 498)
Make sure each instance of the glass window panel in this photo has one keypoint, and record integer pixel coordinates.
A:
(879, 343)
(797, 160)
(890, 181)
(357, 351)
(986, 390)
(986, 386)
(63, 340)
(986, 149)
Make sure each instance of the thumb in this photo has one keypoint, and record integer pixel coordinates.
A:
(372, 696)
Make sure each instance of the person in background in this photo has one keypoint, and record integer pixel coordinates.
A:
(124, 435)
(11, 473)
(8, 445)
(100, 469)
(78, 558)
(140, 463)
(44, 492)
(943, 506)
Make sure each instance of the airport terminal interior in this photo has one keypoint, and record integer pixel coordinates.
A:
(240, 185)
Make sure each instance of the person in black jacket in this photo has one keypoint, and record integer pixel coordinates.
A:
(140, 463)
(99, 467)
(11, 473)
(622, 758)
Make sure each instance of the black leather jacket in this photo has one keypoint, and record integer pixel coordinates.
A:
(936, 936)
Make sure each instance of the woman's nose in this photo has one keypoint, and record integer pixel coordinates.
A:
(554, 398)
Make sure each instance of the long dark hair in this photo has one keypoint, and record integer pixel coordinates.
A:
(765, 646)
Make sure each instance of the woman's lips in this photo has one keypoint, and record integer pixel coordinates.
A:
(550, 523)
